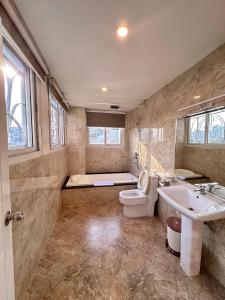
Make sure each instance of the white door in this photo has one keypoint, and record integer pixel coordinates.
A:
(6, 249)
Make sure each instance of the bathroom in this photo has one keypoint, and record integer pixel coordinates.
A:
(119, 117)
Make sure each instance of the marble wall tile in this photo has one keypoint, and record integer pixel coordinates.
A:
(82, 158)
(157, 121)
(76, 140)
(106, 159)
(35, 190)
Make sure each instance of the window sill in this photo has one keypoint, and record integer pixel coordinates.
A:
(205, 146)
(19, 158)
(104, 146)
(57, 148)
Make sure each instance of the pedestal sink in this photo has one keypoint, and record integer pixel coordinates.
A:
(195, 209)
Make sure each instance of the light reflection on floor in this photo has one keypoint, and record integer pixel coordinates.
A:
(102, 233)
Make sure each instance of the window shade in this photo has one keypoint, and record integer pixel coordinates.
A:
(19, 40)
(97, 119)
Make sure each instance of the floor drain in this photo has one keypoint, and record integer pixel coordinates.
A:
(190, 208)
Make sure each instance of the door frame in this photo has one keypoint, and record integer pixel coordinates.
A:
(7, 291)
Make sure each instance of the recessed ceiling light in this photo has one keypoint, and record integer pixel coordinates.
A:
(197, 97)
(122, 31)
(104, 89)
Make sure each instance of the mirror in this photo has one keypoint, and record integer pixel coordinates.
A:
(200, 149)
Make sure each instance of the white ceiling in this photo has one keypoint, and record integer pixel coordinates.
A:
(77, 39)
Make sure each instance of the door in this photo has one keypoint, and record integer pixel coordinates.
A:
(6, 248)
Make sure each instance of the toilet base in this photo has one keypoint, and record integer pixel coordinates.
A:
(137, 211)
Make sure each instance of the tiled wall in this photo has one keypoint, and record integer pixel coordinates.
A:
(35, 190)
(156, 141)
(76, 140)
(82, 158)
(106, 159)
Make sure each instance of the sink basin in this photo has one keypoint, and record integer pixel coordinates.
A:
(195, 209)
(193, 204)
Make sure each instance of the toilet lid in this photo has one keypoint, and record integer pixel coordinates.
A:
(143, 181)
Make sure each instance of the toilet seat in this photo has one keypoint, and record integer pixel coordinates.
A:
(143, 181)
(132, 197)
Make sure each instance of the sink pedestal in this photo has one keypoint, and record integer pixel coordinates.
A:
(191, 245)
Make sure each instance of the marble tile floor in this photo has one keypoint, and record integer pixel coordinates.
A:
(95, 252)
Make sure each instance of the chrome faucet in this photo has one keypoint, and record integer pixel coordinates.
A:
(213, 186)
(206, 187)
(201, 188)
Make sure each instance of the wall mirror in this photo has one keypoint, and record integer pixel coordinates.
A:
(200, 148)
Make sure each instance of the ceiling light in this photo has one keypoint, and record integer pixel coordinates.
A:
(104, 89)
(197, 97)
(122, 31)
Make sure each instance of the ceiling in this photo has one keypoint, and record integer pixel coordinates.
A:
(77, 39)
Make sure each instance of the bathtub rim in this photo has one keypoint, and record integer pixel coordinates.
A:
(64, 187)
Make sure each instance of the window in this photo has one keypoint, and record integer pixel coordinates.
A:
(197, 129)
(57, 123)
(104, 136)
(207, 128)
(19, 93)
(216, 127)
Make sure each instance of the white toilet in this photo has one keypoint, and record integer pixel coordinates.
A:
(141, 201)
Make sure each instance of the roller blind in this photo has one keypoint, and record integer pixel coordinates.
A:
(19, 40)
(98, 119)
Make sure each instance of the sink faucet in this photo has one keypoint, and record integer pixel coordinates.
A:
(206, 187)
(201, 188)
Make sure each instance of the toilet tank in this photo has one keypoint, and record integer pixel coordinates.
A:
(152, 189)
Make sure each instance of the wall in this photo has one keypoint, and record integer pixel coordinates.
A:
(35, 182)
(35, 190)
(108, 159)
(156, 141)
(76, 140)
(91, 159)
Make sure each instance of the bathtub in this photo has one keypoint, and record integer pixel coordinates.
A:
(100, 180)
(186, 174)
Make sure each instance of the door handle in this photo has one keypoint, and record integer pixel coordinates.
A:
(9, 216)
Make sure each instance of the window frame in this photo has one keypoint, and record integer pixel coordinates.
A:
(20, 150)
(206, 143)
(105, 144)
(56, 146)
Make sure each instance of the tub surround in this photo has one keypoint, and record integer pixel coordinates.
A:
(107, 159)
(84, 159)
(35, 190)
(152, 134)
(95, 252)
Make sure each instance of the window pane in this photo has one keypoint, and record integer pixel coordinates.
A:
(96, 135)
(216, 127)
(197, 129)
(18, 100)
(113, 136)
(57, 123)
(54, 122)
(61, 126)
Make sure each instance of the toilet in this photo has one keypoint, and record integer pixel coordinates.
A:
(140, 202)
